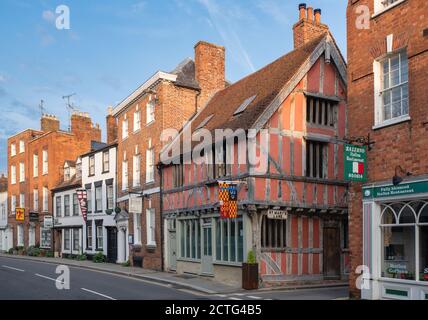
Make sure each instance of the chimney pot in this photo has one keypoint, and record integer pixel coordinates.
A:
(310, 14)
(317, 16)
(302, 10)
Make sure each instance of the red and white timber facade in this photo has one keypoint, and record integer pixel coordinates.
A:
(292, 215)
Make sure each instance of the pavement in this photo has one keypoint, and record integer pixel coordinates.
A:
(21, 275)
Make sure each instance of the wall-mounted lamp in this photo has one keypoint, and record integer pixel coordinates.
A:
(397, 179)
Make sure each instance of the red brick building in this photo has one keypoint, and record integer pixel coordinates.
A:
(293, 215)
(165, 101)
(388, 72)
(35, 161)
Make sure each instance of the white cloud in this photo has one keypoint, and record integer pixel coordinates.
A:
(49, 16)
(222, 18)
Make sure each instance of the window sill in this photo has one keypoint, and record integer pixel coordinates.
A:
(392, 122)
(382, 11)
(150, 123)
(137, 131)
(228, 264)
(401, 281)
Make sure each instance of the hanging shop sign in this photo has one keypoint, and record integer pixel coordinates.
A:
(228, 197)
(48, 222)
(136, 205)
(355, 163)
(20, 214)
(277, 215)
(405, 189)
(82, 197)
(34, 217)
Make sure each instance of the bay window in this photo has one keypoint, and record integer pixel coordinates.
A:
(404, 227)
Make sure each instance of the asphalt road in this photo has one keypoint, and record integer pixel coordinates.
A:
(32, 280)
(29, 280)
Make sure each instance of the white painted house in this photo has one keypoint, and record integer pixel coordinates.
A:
(68, 220)
(99, 179)
(5, 239)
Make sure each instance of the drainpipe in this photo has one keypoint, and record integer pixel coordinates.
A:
(159, 166)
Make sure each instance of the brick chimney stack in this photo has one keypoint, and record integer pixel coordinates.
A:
(111, 126)
(49, 123)
(309, 26)
(209, 70)
(83, 128)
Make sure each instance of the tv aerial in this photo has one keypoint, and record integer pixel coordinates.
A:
(70, 107)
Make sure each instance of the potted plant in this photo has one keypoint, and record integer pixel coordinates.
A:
(250, 273)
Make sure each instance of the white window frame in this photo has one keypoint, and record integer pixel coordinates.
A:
(106, 161)
(13, 204)
(42, 244)
(13, 150)
(22, 200)
(380, 8)
(99, 199)
(36, 199)
(45, 199)
(100, 237)
(125, 129)
(380, 91)
(137, 228)
(21, 172)
(125, 179)
(13, 174)
(136, 168)
(45, 162)
(110, 197)
(20, 235)
(150, 165)
(67, 232)
(21, 146)
(91, 165)
(151, 226)
(35, 165)
(137, 120)
(150, 111)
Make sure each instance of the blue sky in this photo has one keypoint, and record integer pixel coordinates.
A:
(114, 46)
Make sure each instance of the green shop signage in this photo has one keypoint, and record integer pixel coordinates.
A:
(355, 163)
(405, 189)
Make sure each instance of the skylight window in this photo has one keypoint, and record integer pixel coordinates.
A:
(244, 105)
(205, 122)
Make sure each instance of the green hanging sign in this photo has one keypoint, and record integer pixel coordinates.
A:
(355, 163)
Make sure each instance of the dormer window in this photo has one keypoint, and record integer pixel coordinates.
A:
(67, 174)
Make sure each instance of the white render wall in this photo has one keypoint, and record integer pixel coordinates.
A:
(3, 222)
(108, 220)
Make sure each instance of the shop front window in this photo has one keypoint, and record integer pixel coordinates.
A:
(404, 228)
(229, 240)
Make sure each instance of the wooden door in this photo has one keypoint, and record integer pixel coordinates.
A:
(331, 253)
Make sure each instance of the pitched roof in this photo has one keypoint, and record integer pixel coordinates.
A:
(265, 84)
(185, 73)
(74, 182)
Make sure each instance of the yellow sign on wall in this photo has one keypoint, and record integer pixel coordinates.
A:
(20, 214)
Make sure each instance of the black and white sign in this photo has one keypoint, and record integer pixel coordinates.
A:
(277, 215)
